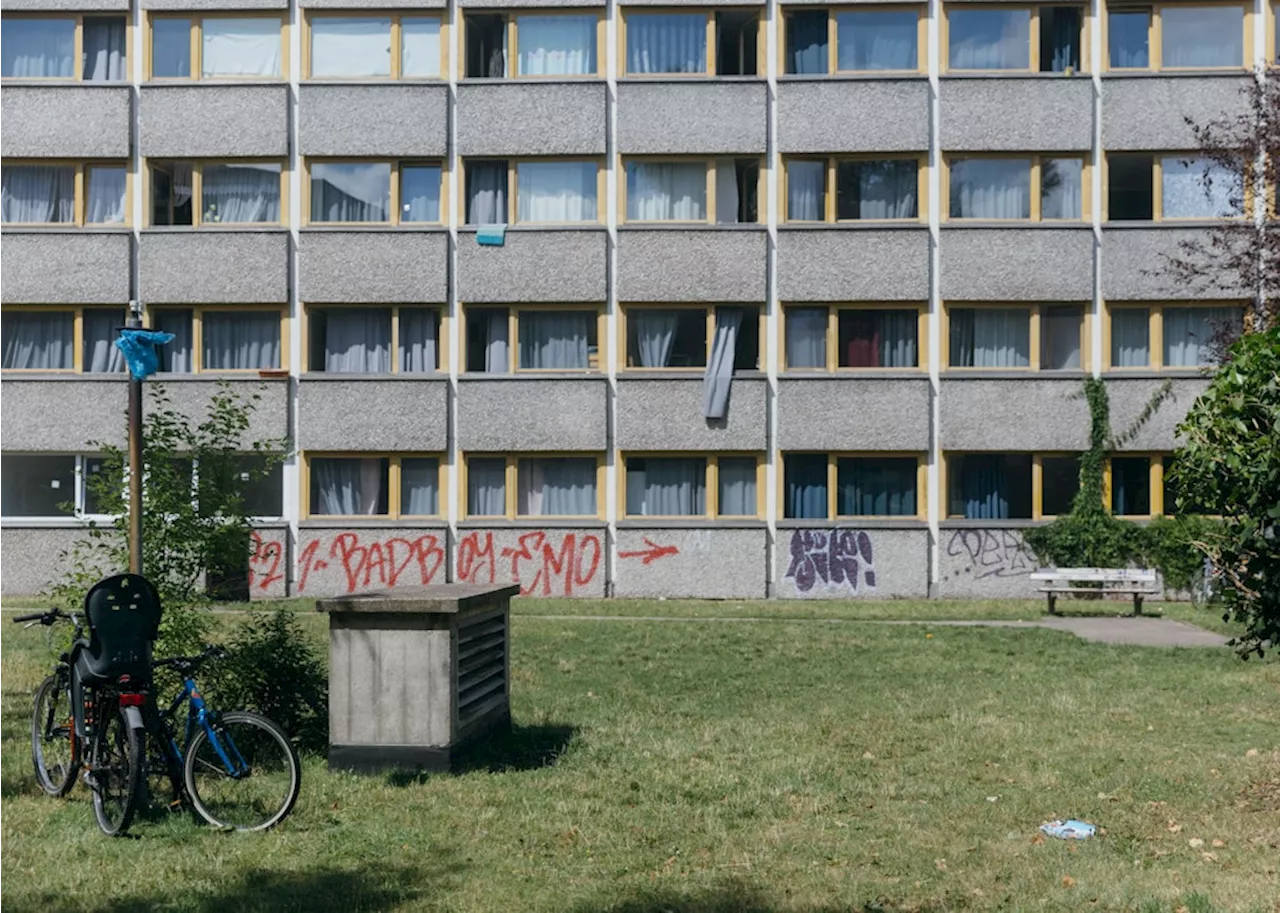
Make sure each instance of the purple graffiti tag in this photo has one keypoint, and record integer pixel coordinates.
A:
(987, 553)
(833, 561)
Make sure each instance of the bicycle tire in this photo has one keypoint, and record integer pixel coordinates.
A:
(55, 752)
(117, 772)
(255, 802)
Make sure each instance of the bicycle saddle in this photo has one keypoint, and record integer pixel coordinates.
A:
(124, 619)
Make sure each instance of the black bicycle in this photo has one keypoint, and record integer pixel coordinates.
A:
(55, 750)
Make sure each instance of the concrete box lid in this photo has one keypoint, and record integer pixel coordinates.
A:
(439, 599)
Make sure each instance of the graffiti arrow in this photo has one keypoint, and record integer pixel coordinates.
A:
(652, 553)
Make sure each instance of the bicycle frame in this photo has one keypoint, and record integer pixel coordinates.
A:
(198, 714)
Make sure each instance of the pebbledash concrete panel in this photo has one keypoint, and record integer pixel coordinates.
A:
(985, 561)
(559, 559)
(405, 120)
(682, 116)
(405, 413)
(192, 395)
(843, 264)
(710, 264)
(1013, 414)
(532, 414)
(535, 264)
(1134, 265)
(691, 562)
(83, 121)
(833, 114)
(60, 414)
(214, 266)
(1011, 114)
(33, 557)
(387, 266)
(851, 560)
(664, 412)
(847, 412)
(65, 267)
(1017, 264)
(214, 120)
(358, 554)
(1130, 396)
(511, 117)
(1149, 112)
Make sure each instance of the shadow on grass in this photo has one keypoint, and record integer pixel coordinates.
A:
(735, 897)
(518, 748)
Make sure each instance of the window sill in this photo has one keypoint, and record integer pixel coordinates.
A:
(1227, 72)
(582, 374)
(693, 523)
(213, 229)
(689, 374)
(958, 75)
(858, 225)
(340, 376)
(858, 374)
(639, 79)
(1157, 374)
(45, 376)
(376, 227)
(1149, 224)
(48, 522)
(210, 376)
(1074, 374)
(362, 521)
(63, 82)
(854, 523)
(587, 79)
(961, 523)
(692, 226)
(281, 82)
(532, 523)
(868, 76)
(380, 81)
(471, 228)
(1017, 224)
(62, 228)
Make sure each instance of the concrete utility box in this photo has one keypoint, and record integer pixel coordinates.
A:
(416, 673)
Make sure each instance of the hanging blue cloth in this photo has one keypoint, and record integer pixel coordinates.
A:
(139, 348)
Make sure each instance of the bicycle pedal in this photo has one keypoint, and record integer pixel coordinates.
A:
(176, 805)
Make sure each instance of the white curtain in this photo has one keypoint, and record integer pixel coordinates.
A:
(37, 48)
(991, 189)
(875, 40)
(1198, 188)
(170, 48)
(718, 377)
(1129, 338)
(556, 192)
(248, 46)
(240, 340)
(554, 339)
(655, 332)
(1190, 334)
(806, 338)
(38, 340)
(357, 340)
(420, 47)
(346, 487)
(666, 191)
(37, 193)
(419, 487)
(350, 46)
(1060, 188)
(667, 43)
(100, 355)
(556, 487)
(1060, 330)
(104, 202)
(876, 190)
(666, 487)
(350, 192)
(486, 487)
(726, 192)
(1202, 36)
(556, 45)
(417, 340)
(737, 487)
(990, 39)
(175, 355)
(487, 193)
(419, 193)
(806, 196)
(104, 49)
(240, 193)
(990, 338)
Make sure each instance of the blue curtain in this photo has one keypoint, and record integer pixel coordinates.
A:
(807, 42)
(983, 487)
(806, 483)
(1060, 38)
(876, 487)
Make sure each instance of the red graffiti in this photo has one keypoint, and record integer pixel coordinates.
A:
(652, 553)
(553, 571)
(378, 563)
(264, 562)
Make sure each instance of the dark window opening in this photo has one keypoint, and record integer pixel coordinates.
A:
(746, 353)
(991, 486)
(1060, 30)
(662, 338)
(805, 479)
(487, 340)
(878, 338)
(736, 43)
(171, 189)
(487, 46)
(747, 174)
(806, 50)
(1131, 486)
(1129, 188)
(1059, 482)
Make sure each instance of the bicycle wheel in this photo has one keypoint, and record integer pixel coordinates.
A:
(267, 778)
(116, 769)
(55, 753)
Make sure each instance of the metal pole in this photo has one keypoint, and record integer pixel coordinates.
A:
(135, 457)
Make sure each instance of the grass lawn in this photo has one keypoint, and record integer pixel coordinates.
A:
(776, 766)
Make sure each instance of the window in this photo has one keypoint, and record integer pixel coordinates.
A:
(844, 190)
(44, 47)
(1039, 337)
(721, 43)
(360, 340)
(521, 45)
(355, 45)
(822, 338)
(1036, 188)
(1145, 187)
(212, 338)
(684, 337)
(990, 486)
(721, 191)
(48, 485)
(545, 190)
(194, 193)
(392, 193)
(535, 485)
(821, 486)
(1043, 39)
(238, 46)
(62, 339)
(500, 340)
(1172, 336)
(344, 485)
(869, 39)
(1171, 36)
(63, 193)
(1130, 479)
(1059, 483)
(702, 486)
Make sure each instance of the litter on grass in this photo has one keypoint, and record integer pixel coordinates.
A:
(1069, 830)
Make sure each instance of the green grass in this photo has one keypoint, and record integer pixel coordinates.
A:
(764, 767)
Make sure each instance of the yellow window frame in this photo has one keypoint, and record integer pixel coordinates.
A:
(626, 12)
(77, 50)
(397, 166)
(712, 483)
(833, 44)
(511, 485)
(80, 190)
(511, 22)
(442, 334)
(947, 473)
(1036, 160)
(195, 34)
(513, 165)
(197, 190)
(833, 494)
(1155, 37)
(1155, 330)
(710, 308)
(594, 366)
(1157, 188)
(711, 164)
(1155, 482)
(1033, 52)
(396, 37)
(198, 311)
(77, 332)
(394, 483)
(833, 334)
(1035, 338)
(830, 186)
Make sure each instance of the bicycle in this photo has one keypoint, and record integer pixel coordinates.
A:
(55, 750)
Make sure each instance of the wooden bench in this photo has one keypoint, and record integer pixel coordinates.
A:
(1134, 582)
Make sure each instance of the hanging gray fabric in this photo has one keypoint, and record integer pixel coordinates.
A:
(719, 375)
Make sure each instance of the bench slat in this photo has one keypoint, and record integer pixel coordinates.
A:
(1101, 590)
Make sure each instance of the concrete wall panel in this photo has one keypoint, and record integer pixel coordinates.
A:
(1135, 266)
(563, 560)
(1017, 264)
(1015, 414)
(1010, 114)
(845, 562)
(691, 265)
(377, 267)
(213, 266)
(214, 120)
(512, 118)
(191, 396)
(839, 412)
(853, 265)
(985, 562)
(336, 559)
(530, 415)
(706, 563)
(665, 413)
(408, 413)
(535, 265)
(1148, 112)
(62, 415)
(365, 120)
(33, 557)
(65, 267)
(82, 121)
(1130, 396)
(853, 115)
(681, 116)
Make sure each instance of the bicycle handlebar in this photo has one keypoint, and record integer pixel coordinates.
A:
(45, 618)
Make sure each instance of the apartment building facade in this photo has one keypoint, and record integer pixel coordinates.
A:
(683, 299)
